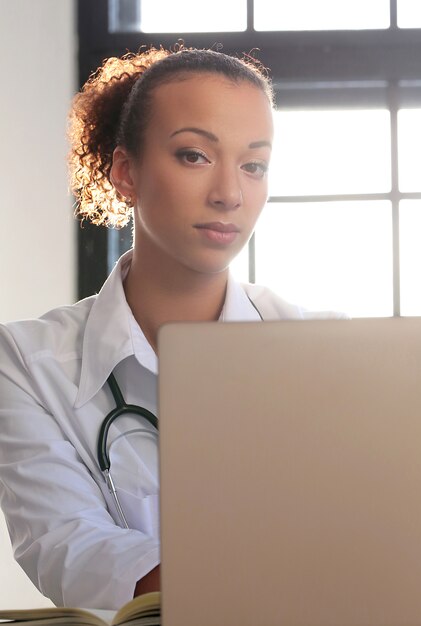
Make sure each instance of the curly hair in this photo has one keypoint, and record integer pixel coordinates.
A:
(113, 108)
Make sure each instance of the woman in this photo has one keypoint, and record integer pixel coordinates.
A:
(182, 140)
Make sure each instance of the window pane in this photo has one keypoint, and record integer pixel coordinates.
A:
(410, 256)
(328, 256)
(409, 13)
(321, 14)
(167, 16)
(123, 16)
(331, 152)
(409, 146)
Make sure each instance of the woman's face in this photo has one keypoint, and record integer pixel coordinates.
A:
(201, 181)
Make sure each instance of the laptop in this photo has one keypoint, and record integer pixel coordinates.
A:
(290, 462)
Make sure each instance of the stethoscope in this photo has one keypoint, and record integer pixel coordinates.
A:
(122, 408)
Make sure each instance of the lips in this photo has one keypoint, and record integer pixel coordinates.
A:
(219, 227)
(218, 232)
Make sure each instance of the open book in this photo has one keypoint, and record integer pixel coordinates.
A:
(145, 610)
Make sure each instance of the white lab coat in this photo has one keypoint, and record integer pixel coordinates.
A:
(53, 397)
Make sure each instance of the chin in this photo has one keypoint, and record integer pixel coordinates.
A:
(210, 264)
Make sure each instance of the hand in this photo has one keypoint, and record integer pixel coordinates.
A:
(150, 582)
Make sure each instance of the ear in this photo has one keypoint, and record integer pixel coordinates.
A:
(121, 174)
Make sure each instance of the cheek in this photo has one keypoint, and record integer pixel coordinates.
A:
(168, 185)
(162, 206)
(153, 192)
(257, 197)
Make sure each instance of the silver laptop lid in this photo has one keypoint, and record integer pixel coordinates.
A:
(291, 473)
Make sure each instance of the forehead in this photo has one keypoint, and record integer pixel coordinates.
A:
(214, 103)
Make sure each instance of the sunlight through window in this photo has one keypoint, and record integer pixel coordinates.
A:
(328, 256)
(409, 147)
(191, 16)
(410, 249)
(409, 13)
(321, 14)
(328, 152)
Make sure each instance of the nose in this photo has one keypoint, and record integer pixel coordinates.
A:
(225, 192)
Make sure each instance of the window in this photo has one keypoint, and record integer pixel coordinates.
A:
(150, 16)
(321, 14)
(409, 13)
(320, 151)
(342, 228)
(410, 264)
(164, 16)
(193, 16)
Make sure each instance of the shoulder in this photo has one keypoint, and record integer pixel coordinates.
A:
(57, 333)
(273, 307)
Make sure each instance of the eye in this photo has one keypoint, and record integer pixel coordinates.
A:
(258, 169)
(192, 157)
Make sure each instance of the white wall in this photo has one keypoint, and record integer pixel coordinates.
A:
(37, 230)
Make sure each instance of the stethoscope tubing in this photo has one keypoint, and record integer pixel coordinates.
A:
(122, 408)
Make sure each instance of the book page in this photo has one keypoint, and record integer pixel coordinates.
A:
(53, 615)
(146, 604)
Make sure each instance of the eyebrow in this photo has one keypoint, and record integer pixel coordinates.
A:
(199, 131)
(212, 137)
(260, 144)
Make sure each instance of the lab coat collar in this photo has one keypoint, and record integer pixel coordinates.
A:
(112, 333)
(238, 307)
(107, 338)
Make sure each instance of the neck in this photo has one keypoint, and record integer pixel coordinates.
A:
(158, 293)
